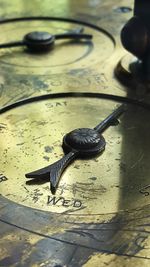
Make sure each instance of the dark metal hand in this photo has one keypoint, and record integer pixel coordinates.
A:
(80, 143)
(44, 41)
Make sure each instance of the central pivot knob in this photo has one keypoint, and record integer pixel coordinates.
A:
(84, 140)
(39, 41)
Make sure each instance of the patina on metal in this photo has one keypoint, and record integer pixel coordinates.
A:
(100, 214)
(79, 143)
(44, 41)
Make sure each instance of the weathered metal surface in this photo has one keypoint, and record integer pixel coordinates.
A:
(100, 214)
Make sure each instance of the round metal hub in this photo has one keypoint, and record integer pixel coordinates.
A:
(39, 41)
(86, 141)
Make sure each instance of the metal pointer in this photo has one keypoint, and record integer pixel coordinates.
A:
(43, 41)
(79, 143)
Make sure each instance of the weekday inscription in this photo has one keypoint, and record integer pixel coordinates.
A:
(61, 201)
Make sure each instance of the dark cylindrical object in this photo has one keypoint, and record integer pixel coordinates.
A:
(39, 41)
(135, 35)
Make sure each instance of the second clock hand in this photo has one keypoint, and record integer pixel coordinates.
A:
(44, 41)
(79, 143)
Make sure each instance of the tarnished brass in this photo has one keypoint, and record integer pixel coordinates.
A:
(100, 213)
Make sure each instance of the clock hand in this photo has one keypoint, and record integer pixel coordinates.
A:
(79, 143)
(111, 120)
(54, 171)
(43, 41)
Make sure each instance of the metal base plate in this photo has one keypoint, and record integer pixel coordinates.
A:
(100, 213)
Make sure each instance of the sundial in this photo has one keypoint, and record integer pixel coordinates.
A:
(74, 134)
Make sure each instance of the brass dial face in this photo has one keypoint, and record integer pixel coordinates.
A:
(33, 134)
(99, 214)
(79, 54)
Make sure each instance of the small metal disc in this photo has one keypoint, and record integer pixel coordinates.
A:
(39, 41)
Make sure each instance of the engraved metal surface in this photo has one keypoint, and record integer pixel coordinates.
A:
(100, 214)
(79, 143)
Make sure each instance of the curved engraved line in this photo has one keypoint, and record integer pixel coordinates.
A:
(62, 19)
(87, 52)
(116, 98)
(72, 243)
(79, 22)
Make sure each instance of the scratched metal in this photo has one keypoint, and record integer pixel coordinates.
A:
(100, 214)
